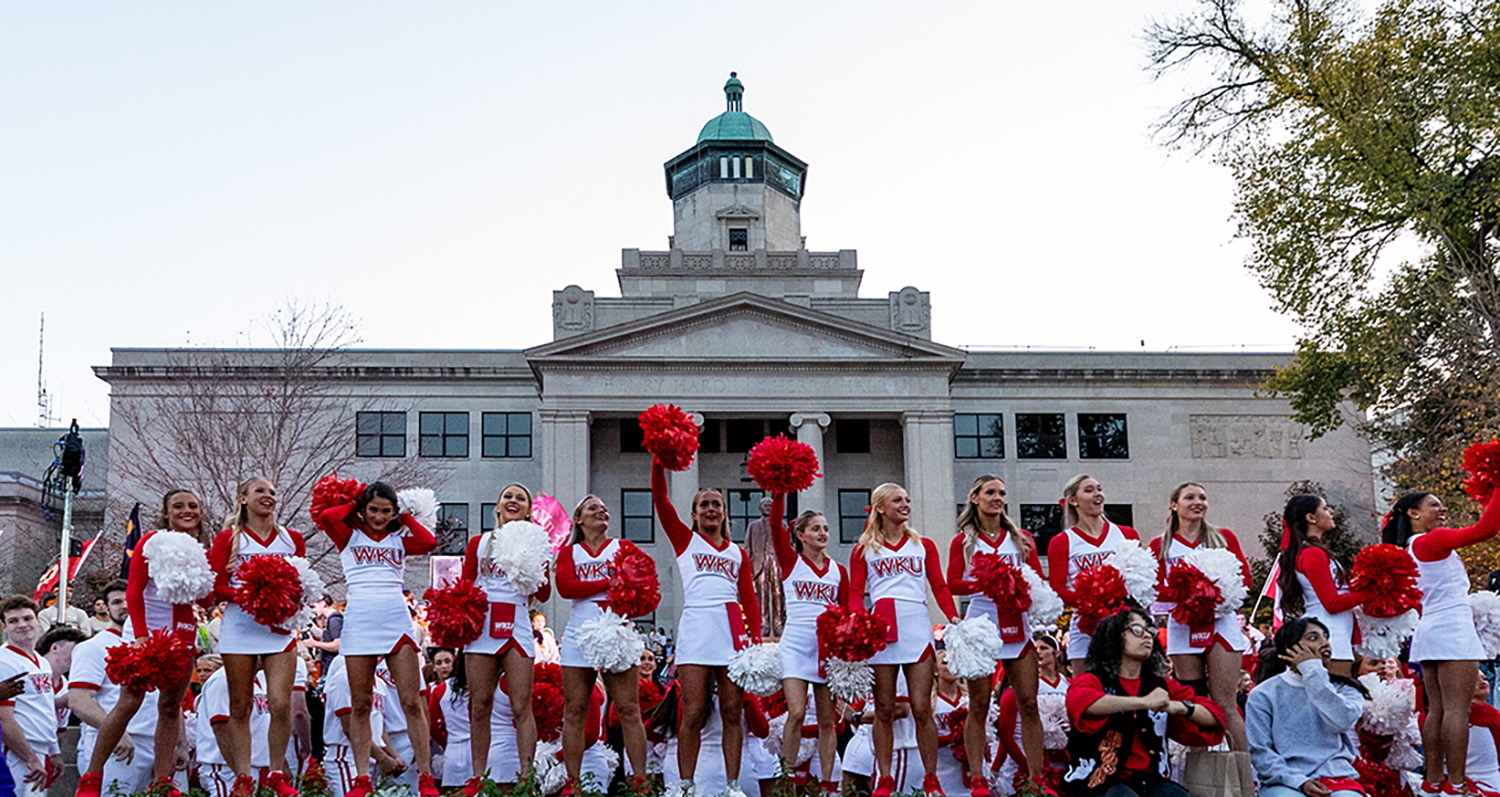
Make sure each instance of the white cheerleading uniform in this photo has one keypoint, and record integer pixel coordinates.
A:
(1341, 628)
(149, 612)
(452, 708)
(507, 623)
(981, 605)
(1225, 632)
(906, 765)
(579, 571)
(710, 778)
(376, 620)
(35, 711)
(504, 759)
(213, 709)
(1446, 630)
(396, 726)
(950, 772)
(897, 578)
(809, 593)
(239, 633)
(1079, 553)
(88, 672)
(1483, 766)
(712, 626)
(338, 758)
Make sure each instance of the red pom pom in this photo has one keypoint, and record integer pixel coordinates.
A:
(331, 491)
(780, 465)
(651, 697)
(1197, 596)
(774, 704)
(157, 662)
(547, 708)
(1482, 461)
(635, 587)
(951, 733)
(1100, 592)
(670, 434)
(1380, 780)
(1001, 581)
(455, 614)
(1390, 573)
(849, 635)
(547, 672)
(270, 589)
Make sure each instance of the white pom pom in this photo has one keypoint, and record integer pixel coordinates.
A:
(1053, 709)
(551, 775)
(610, 642)
(1138, 567)
(1381, 637)
(611, 765)
(1046, 605)
(772, 743)
(849, 680)
(973, 645)
(757, 669)
(522, 551)
(312, 591)
(179, 567)
(1404, 753)
(421, 503)
(993, 722)
(1390, 708)
(1222, 568)
(1486, 607)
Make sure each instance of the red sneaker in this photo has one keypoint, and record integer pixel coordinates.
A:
(979, 787)
(931, 787)
(473, 786)
(830, 787)
(90, 784)
(427, 787)
(164, 787)
(279, 783)
(244, 786)
(361, 788)
(885, 788)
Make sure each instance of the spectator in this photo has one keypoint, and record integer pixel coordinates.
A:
(442, 665)
(29, 721)
(333, 628)
(99, 620)
(547, 651)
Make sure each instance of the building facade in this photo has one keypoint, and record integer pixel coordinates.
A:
(737, 322)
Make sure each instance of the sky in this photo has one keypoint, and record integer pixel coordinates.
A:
(174, 172)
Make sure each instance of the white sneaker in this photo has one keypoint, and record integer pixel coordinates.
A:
(682, 788)
(734, 791)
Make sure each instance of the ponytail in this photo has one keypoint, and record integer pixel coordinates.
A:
(1396, 530)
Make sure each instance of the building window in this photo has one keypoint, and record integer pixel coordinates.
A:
(1041, 436)
(744, 506)
(1120, 514)
(380, 434)
(444, 434)
(632, 438)
(637, 517)
(979, 436)
(736, 162)
(853, 510)
(452, 530)
(741, 434)
(739, 240)
(708, 436)
(851, 435)
(723, 167)
(1103, 436)
(486, 517)
(1044, 521)
(505, 434)
(749, 167)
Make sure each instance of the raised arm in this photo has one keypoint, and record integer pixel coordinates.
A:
(1339, 709)
(957, 584)
(936, 581)
(335, 523)
(786, 554)
(1438, 543)
(749, 601)
(1057, 568)
(419, 540)
(1313, 563)
(666, 514)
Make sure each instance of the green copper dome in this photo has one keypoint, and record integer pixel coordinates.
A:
(734, 124)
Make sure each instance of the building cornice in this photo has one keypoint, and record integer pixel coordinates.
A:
(968, 375)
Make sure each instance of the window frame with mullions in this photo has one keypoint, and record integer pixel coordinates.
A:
(626, 526)
(444, 436)
(382, 435)
(506, 439)
(1025, 439)
(962, 434)
(850, 517)
(1092, 442)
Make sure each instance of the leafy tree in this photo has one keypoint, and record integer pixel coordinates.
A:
(1349, 135)
(1342, 543)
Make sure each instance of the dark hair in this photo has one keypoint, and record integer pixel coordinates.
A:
(1397, 527)
(1286, 638)
(1108, 645)
(118, 585)
(459, 676)
(12, 602)
(59, 633)
(372, 491)
(1298, 507)
(1046, 638)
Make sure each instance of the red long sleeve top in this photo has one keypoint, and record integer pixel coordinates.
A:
(1313, 563)
(786, 555)
(1086, 690)
(959, 585)
(1058, 561)
(1438, 543)
(418, 540)
(859, 571)
(569, 585)
(680, 535)
(135, 585)
(1231, 544)
(218, 558)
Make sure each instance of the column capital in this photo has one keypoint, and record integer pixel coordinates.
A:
(564, 416)
(927, 416)
(800, 419)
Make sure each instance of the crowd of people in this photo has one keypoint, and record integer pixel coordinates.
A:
(360, 696)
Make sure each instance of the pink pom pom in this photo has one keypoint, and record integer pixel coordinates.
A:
(1482, 461)
(781, 465)
(669, 434)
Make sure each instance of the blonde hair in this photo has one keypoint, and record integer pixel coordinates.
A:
(875, 531)
(236, 521)
(1212, 538)
(968, 522)
(1070, 514)
(489, 546)
(578, 517)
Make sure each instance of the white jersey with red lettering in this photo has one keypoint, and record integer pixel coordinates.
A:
(712, 626)
(587, 566)
(161, 614)
(239, 633)
(897, 572)
(503, 598)
(396, 724)
(213, 709)
(809, 592)
(35, 708)
(1083, 554)
(376, 618)
(338, 758)
(982, 605)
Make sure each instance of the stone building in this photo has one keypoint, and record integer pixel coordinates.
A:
(31, 518)
(738, 322)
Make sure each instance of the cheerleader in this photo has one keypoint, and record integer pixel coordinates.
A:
(1445, 642)
(1224, 646)
(898, 565)
(1089, 538)
(948, 697)
(584, 571)
(339, 758)
(374, 538)
(181, 512)
(1011, 757)
(811, 582)
(984, 528)
(712, 779)
(247, 646)
(1308, 574)
(720, 615)
(506, 644)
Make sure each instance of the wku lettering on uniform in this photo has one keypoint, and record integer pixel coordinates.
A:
(487, 567)
(365, 555)
(815, 591)
(892, 565)
(245, 557)
(1090, 559)
(262, 704)
(591, 571)
(41, 683)
(724, 566)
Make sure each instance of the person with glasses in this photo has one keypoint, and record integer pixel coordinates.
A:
(1123, 710)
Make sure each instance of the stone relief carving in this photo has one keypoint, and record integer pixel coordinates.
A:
(1245, 437)
(911, 311)
(573, 309)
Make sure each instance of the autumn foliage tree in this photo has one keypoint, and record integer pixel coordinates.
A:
(1364, 152)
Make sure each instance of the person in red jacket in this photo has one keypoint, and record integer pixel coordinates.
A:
(1123, 711)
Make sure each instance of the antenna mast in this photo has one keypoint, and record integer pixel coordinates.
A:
(43, 401)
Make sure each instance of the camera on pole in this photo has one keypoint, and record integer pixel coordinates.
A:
(71, 457)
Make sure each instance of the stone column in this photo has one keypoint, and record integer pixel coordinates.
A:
(928, 443)
(809, 427)
(565, 454)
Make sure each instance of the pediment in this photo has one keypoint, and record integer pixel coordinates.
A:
(745, 327)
